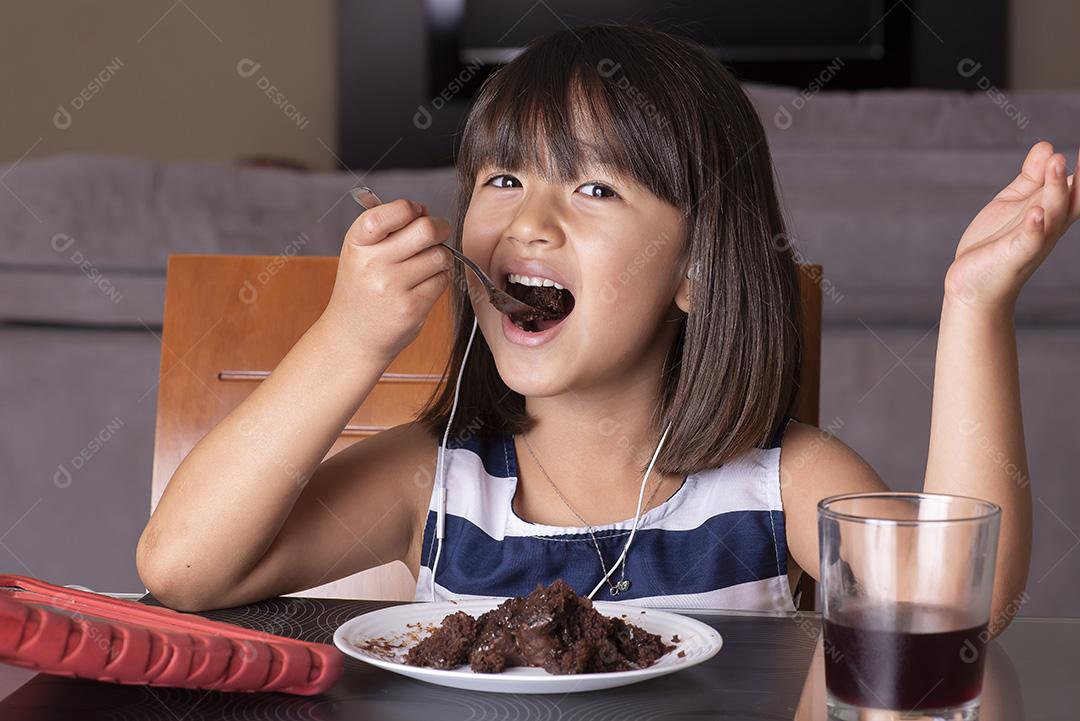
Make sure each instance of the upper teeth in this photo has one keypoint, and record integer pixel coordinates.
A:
(532, 280)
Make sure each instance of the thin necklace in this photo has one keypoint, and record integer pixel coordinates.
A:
(623, 583)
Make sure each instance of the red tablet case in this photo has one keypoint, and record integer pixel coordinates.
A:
(75, 633)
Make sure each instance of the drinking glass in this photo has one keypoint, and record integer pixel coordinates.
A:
(906, 583)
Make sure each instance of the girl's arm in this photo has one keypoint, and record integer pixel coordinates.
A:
(246, 515)
(976, 432)
(977, 436)
(229, 529)
(976, 439)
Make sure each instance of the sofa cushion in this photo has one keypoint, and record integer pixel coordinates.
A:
(86, 238)
(983, 117)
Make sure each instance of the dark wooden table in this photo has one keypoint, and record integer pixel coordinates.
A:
(769, 668)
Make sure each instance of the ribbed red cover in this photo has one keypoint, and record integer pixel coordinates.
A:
(65, 631)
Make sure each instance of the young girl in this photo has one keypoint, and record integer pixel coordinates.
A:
(640, 446)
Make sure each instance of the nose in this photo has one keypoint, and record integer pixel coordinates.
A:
(537, 220)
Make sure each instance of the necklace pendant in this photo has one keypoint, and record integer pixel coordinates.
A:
(622, 585)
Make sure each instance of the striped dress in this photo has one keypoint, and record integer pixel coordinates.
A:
(717, 542)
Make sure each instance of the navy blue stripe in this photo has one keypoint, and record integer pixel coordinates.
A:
(780, 533)
(728, 549)
(496, 452)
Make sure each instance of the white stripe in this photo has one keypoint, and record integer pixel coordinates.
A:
(748, 483)
(768, 594)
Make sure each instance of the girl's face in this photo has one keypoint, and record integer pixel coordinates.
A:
(607, 240)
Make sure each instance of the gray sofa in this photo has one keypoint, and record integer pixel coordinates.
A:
(878, 187)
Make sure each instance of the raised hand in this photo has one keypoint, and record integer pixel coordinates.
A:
(1014, 233)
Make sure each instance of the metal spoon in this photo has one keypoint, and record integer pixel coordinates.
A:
(503, 301)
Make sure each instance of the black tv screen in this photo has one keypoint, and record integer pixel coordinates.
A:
(495, 30)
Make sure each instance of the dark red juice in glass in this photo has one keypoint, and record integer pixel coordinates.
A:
(903, 657)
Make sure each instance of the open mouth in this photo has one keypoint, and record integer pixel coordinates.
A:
(553, 303)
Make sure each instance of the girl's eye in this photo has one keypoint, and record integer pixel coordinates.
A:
(593, 190)
(598, 190)
(504, 181)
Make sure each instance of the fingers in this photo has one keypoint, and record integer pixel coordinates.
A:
(1030, 240)
(424, 265)
(433, 287)
(375, 224)
(423, 232)
(1055, 197)
(1032, 173)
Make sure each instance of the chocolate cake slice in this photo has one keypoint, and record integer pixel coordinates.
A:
(552, 628)
(448, 646)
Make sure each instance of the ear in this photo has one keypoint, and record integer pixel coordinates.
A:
(682, 295)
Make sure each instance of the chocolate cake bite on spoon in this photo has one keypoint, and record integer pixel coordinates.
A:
(550, 303)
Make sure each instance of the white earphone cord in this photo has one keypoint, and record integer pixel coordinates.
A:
(637, 513)
(440, 485)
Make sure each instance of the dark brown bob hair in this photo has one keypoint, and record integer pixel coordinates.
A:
(677, 121)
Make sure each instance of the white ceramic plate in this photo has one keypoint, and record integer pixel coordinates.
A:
(396, 629)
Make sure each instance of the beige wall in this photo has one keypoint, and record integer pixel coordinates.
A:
(170, 88)
(168, 81)
(1043, 49)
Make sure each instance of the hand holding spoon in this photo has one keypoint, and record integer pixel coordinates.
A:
(503, 301)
